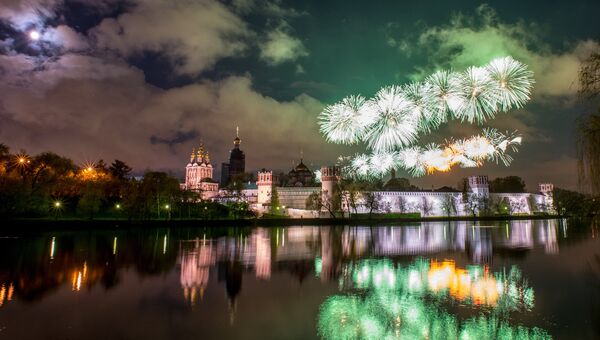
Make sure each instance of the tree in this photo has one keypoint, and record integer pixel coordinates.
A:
(333, 204)
(449, 205)
(571, 203)
(161, 189)
(275, 208)
(588, 127)
(402, 204)
(90, 201)
(510, 184)
(471, 203)
(119, 169)
(314, 201)
(351, 191)
(371, 201)
(426, 206)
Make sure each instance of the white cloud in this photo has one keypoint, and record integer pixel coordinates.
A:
(280, 46)
(193, 34)
(65, 37)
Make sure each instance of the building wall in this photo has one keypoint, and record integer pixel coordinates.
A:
(437, 203)
(295, 197)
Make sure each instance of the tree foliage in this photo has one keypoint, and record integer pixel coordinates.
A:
(507, 184)
(588, 127)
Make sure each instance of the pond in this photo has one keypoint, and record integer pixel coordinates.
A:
(514, 279)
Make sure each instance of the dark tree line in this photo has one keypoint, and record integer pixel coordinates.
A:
(49, 185)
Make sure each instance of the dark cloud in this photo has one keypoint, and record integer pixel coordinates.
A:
(180, 137)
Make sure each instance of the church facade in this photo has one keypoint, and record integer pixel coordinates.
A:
(199, 174)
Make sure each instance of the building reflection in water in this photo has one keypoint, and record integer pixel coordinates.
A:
(328, 250)
(196, 258)
(29, 269)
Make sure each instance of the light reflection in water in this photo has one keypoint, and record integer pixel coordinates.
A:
(79, 277)
(6, 293)
(52, 246)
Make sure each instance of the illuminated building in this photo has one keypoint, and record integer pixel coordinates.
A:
(199, 174)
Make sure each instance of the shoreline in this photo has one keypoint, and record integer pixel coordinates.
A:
(83, 224)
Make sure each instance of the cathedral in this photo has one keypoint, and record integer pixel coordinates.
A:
(237, 161)
(199, 174)
(301, 176)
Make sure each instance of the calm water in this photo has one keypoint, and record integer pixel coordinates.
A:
(521, 279)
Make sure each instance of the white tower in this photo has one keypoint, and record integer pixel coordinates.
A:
(265, 186)
(479, 185)
(546, 189)
(330, 175)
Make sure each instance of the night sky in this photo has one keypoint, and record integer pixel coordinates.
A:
(146, 80)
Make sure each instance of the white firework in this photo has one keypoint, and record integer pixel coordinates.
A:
(478, 148)
(345, 122)
(411, 159)
(476, 89)
(360, 166)
(443, 95)
(428, 116)
(502, 142)
(512, 82)
(382, 163)
(390, 122)
(395, 125)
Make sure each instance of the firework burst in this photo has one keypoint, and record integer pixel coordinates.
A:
(390, 123)
(345, 122)
(395, 124)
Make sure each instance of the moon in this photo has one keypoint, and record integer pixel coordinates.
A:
(34, 35)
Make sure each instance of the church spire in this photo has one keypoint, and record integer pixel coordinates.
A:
(237, 141)
(200, 157)
(193, 155)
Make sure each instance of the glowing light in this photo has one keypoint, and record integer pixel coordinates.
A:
(118, 206)
(52, 247)
(79, 277)
(165, 244)
(34, 35)
(115, 246)
(390, 123)
(57, 204)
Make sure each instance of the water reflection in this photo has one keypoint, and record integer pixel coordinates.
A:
(396, 301)
(428, 279)
(386, 315)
